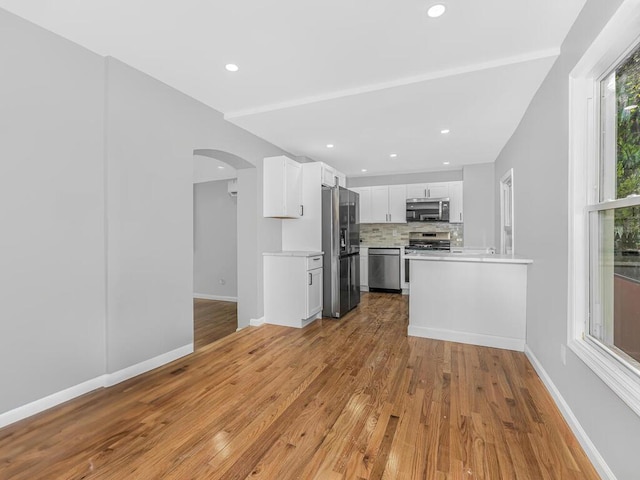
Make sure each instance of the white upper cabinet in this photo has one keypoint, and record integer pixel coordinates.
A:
(397, 204)
(379, 204)
(438, 190)
(417, 190)
(282, 188)
(331, 176)
(455, 202)
(382, 204)
(365, 203)
(428, 190)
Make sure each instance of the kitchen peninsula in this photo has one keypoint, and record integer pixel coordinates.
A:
(469, 298)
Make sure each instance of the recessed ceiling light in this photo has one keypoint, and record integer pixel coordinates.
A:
(231, 67)
(445, 131)
(329, 145)
(436, 10)
(393, 155)
(364, 169)
(445, 163)
(220, 167)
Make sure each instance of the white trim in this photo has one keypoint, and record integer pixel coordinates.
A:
(615, 39)
(206, 296)
(590, 449)
(50, 401)
(105, 380)
(256, 322)
(465, 337)
(147, 365)
(501, 62)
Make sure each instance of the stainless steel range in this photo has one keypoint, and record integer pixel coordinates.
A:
(424, 242)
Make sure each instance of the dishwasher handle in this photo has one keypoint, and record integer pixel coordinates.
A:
(384, 251)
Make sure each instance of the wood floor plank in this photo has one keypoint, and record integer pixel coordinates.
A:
(353, 398)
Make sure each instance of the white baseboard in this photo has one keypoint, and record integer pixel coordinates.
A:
(464, 337)
(588, 446)
(105, 380)
(50, 401)
(205, 296)
(147, 365)
(256, 322)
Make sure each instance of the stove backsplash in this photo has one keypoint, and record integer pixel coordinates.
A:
(397, 234)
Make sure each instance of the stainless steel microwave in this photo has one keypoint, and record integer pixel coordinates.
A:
(428, 210)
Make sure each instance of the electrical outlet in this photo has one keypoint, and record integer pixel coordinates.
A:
(563, 354)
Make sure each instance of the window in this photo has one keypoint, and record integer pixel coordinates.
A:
(604, 240)
(614, 222)
(506, 214)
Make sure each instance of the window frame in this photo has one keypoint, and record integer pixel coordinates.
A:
(617, 39)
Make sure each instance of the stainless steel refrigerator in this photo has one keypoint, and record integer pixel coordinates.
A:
(341, 246)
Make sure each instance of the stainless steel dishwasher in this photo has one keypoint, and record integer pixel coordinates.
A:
(384, 269)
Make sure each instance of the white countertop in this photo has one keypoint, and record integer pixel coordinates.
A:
(467, 257)
(293, 253)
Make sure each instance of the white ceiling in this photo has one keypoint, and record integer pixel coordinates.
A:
(372, 77)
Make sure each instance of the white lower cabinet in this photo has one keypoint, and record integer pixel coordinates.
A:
(292, 288)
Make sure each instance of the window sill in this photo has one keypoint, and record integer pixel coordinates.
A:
(611, 372)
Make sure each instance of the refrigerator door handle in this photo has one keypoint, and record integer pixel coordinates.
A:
(310, 279)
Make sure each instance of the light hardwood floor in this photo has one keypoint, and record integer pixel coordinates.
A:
(213, 320)
(351, 398)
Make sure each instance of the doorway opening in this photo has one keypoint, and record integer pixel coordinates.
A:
(215, 269)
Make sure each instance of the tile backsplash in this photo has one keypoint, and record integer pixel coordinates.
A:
(397, 234)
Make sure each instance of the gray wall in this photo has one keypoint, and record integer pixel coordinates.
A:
(52, 271)
(479, 205)
(538, 153)
(97, 195)
(215, 240)
(150, 213)
(404, 178)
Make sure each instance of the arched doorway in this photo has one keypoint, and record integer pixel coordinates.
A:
(215, 241)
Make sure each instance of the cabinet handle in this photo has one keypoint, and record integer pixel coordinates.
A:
(301, 210)
(310, 279)
(460, 216)
(390, 217)
(428, 193)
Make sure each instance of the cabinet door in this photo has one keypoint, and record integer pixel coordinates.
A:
(380, 204)
(438, 190)
(365, 203)
(342, 179)
(455, 202)
(397, 204)
(293, 189)
(328, 175)
(417, 190)
(314, 292)
(282, 187)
